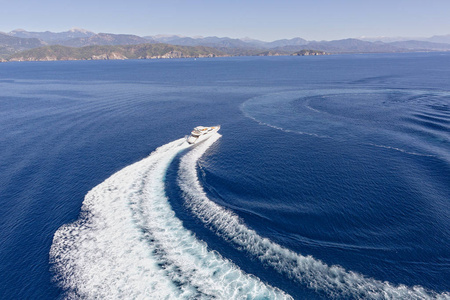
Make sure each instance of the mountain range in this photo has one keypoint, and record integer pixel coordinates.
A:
(445, 39)
(48, 36)
(19, 40)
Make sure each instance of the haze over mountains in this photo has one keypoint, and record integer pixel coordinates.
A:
(445, 39)
(19, 40)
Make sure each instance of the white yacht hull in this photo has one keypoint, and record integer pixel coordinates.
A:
(197, 135)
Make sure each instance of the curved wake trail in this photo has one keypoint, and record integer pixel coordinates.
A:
(128, 244)
(334, 281)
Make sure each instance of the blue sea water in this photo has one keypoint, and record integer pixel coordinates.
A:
(330, 178)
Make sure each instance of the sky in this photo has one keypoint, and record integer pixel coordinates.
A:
(264, 20)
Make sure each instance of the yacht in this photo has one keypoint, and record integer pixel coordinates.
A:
(201, 133)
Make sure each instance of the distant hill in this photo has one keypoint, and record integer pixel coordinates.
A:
(440, 39)
(19, 40)
(103, 39)
(142, 51)
(286, 42)
(214, 41)
(211, 41)
(353, 46)
(421, 45)
(48, 36)
(163, 38)
(284, 46)
(255, 43)
(10, 44)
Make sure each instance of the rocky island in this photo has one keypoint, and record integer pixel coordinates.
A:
(309, 52)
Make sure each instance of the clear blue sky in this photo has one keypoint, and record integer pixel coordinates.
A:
(263, 19)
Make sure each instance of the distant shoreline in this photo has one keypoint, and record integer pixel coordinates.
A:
(141, 51)
(81, 44)
(152, 52)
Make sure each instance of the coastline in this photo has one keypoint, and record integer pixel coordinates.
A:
(142, 51)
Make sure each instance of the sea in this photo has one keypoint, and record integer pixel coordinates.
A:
(329, 178)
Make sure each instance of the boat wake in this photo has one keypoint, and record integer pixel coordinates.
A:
(128, 244)
(401, 150)
(359, 114)
(334, 281)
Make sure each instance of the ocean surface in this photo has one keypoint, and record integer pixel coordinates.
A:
(330, 178)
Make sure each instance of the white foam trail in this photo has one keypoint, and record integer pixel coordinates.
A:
(128, 244)
(282, 129)
(400, 150)
(335, 281)
(313, 109)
